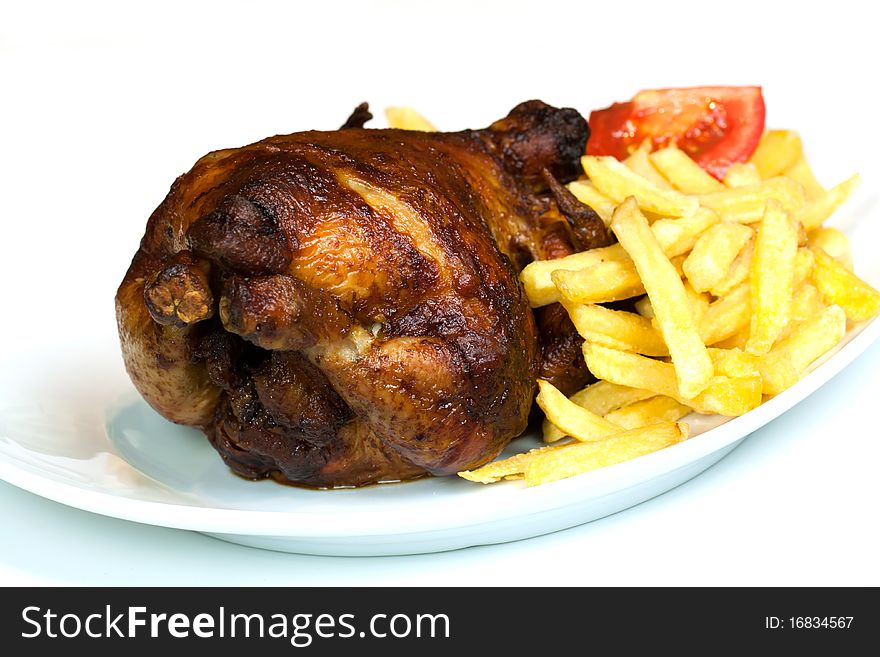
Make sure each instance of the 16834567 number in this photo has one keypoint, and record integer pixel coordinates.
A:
(820, 622)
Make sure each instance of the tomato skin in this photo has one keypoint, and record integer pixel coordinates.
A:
(716, 126)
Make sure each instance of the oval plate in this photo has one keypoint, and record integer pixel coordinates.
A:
(99, 447)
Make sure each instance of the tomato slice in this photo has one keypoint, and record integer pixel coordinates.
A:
(716, 126)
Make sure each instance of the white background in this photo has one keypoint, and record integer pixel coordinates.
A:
(102, 105)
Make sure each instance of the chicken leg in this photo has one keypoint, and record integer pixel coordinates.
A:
(340, 308)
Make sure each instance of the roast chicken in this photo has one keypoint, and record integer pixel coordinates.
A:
(341, 308)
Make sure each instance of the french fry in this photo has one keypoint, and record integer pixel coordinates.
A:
(606, 281)
(801, 173)
(841, 287)
(578, 458)
(714, 253)
(777, 152)
(575, 421)
(834, 243)
(734, 362)
(739, 271)
(736, 341)
(633, 331)
(782, 285)
(647, 412)
(772, 279)
(724, 395)
(785, 364)
(672, 309)
(639, 162)
(806, 303)
(746, 204)
(586, 193)
(699, 302)
(616, 181)
(730, 395)
(510, 468)
(536, 276)
(678, 236)
(742, 174)
(643, 307)
(406, 118)
(685, 175)
(819, 209)
(603, 397)
(803, 265)
(678, 265)
(599, 398)
(727, 316)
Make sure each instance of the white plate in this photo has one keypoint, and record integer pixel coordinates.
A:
(73, 430)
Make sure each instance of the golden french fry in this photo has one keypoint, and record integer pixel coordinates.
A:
(603, 397)
(678, 265)
(699, 302)
(806, 303)
(714, 253)
(639, 163)
(834, 243)
(724, 395)
(801, 173)
(550, 433)
(648, 411)
(600, 398)
(583, 457)
(803, 265)
(781, 288)
(610, 342)
(586, 193)
(672, 309)
(742, 174)
(508, 468)
(746, 204)
(727, 316)
(617, 181)
(736, 341)
(777, 152)
(739, 271)
(633, 331)
(819, 209)
(730, 395)
(406, 118)
(784, 365)
(536, 276)
(801, 232)
(643, 307)
(606, 281)
(685, 175)
(772, 279)
(575, 421)
(841, 287)
(678, 236)
(734, 362)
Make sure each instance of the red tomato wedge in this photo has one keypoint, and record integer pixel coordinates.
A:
(716, 126)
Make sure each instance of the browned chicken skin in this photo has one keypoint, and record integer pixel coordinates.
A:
(340, 308)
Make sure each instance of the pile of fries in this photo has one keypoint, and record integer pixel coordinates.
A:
(736, 288)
